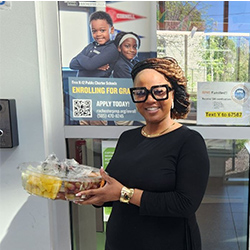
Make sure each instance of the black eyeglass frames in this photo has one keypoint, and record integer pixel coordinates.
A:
(158, 92)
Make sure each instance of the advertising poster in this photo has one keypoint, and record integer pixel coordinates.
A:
(101, 99)
(100, 44)
(108, 149)
(223, 103)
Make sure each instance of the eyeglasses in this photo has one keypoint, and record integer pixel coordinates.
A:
(158, 92)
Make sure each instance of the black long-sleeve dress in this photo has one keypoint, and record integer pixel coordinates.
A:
(173, 171)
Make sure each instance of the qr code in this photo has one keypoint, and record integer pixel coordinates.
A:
(82, 108)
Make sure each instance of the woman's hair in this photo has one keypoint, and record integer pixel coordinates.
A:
(173, 73)
(120, 35)
(102, 15)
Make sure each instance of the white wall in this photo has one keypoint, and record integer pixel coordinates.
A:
(32, 77)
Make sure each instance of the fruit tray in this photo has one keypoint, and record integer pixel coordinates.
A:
(59, 180)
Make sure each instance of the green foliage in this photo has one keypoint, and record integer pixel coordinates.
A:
(225, 59)
(185, 14)
(238, 144)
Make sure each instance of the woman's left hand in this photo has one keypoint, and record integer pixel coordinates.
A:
(111, 191)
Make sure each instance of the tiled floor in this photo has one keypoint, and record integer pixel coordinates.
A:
(223, 216)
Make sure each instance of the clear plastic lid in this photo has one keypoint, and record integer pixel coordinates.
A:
(68, 170)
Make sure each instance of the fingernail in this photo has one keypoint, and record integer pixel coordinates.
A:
(78, 194)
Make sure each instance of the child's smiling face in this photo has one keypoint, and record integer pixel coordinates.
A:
(129, 48)
(101, 31)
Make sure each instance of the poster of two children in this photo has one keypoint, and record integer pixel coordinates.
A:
(100, 44)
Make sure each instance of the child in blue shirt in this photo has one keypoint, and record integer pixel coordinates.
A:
(98, 58)
(127, 44)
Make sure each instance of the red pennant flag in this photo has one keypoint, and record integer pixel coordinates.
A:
(121, 16)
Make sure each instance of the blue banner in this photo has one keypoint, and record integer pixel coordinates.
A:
(101, 99)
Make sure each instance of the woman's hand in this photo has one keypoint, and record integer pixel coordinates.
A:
(111, 191)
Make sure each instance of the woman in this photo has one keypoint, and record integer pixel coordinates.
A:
(159, 172)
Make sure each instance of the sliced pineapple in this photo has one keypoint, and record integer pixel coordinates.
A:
(42, 185)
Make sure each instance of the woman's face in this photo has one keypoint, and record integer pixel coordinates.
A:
(129, 48)
(152, 110)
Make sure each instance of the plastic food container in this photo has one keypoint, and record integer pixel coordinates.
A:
(54, 181)
(37, 183)
(72, 187)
